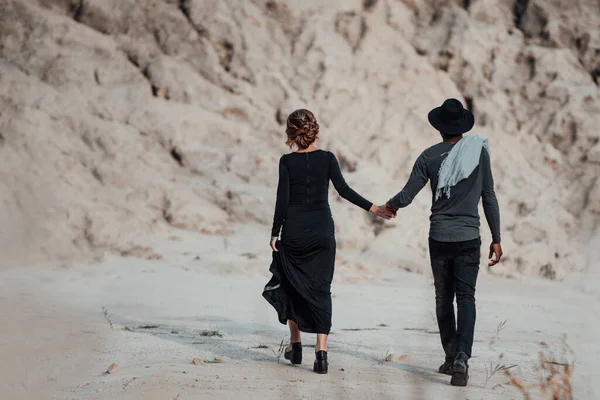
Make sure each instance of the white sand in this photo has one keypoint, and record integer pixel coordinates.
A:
(59, 343)
(125, 118)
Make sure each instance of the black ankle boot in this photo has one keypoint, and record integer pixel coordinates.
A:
(321, 363)
(294, 355)
(447, 367)
(460, 370)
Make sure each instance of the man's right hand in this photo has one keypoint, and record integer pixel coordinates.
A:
(495, 254)
(391, 209)
(381, 212)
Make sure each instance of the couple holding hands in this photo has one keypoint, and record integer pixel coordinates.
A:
(460, 174)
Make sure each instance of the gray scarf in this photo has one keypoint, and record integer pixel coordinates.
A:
(460, 163)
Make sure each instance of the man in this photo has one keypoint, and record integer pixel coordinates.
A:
(460, 173)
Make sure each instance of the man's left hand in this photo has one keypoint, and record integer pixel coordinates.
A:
(495, 254)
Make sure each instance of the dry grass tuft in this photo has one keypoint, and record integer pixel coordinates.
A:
(282, 346)
(555, 375)
(106, 317)
(383, 359)
(501, 326)
(210, 333)
(491, 369)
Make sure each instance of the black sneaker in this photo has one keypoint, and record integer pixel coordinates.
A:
(447, 367)
(460, 371)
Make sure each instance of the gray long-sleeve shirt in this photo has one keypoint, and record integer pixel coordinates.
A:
(453, 219)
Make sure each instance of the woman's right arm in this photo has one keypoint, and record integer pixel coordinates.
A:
(283, 198)
(345, 191)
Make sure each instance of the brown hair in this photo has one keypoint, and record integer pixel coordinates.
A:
(302, 129)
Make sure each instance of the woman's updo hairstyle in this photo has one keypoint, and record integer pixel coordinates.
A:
(302, 129)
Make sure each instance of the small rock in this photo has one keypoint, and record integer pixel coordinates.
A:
(161, 94)
(197, 361)
(218, 360)
(111, 368)
(342, 369)
(397, 357)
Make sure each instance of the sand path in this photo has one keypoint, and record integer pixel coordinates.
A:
(59, 343)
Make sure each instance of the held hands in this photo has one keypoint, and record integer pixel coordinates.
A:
(391, 209)
(495, 251)
(384, 211)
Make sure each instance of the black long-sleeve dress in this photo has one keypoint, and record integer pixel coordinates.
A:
(300, 288)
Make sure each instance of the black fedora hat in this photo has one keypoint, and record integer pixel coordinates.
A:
(451, 118)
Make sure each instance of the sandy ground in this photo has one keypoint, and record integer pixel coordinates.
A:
(56, 341)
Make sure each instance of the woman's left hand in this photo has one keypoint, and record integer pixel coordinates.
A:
(273, 243)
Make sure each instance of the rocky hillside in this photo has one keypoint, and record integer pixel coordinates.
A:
(126, 118)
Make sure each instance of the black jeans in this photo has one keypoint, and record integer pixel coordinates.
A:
(455, 267)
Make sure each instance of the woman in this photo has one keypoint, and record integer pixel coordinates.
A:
(303, 261)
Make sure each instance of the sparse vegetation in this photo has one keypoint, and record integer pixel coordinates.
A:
(106, 317)
(143, 252)
(501, 326)
(424, 330)
(555, 375)
(148, 326)
(491, 369)
(210, 333)
(383, 359)
(282, 346)
(357, 329)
